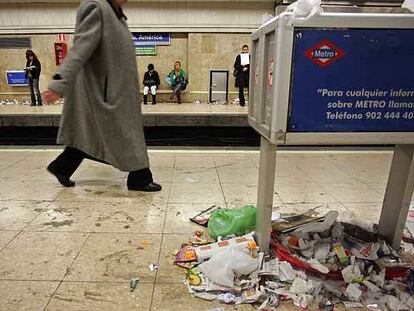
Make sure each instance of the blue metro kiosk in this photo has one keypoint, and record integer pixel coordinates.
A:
(335, 79)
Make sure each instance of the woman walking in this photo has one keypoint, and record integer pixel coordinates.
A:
(101, 118)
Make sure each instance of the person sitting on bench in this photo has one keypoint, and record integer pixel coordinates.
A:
(177, 80)
(151, 82)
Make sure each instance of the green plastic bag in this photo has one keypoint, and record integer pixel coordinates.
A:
(238, 221)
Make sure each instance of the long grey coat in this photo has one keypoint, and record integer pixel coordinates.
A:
(99, 81)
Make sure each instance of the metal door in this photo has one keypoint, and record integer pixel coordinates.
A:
(219, 85)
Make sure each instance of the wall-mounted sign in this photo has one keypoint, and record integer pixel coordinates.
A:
(16, 78)
(62, 37)
(148, 38)
(61, 50)
(146, 50)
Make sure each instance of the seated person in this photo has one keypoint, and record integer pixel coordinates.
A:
(177, 81)
(151, 81)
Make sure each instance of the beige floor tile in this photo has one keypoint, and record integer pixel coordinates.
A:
(81, 296)
(289, 174)
(114, 257)
(169, 297)
(380, 187)
(352, 192)
(371, 175)
(303, 193)
(195, 193)
(33, 170)
(191, 175)
(237, 195)
(112, 191)
(101, 217)
(46, 190)
(40, 255)
(238, 160)
(177, 220)
(193, 160)
(326, 175)
(229, 174)
(25, 295)
(168, 272)
(162, 174)
(166, 160)
(307, 161)
(8, 158)
(364, 213)
(6, 237)
(15, 215)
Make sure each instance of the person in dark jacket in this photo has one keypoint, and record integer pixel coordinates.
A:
(241, 72)
(33, 69)
(151, 82)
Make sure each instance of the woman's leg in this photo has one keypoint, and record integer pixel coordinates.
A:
(241, 96)
(32, 94)
(146, 89)
(173, 91)
(37, 94)
(154, 94)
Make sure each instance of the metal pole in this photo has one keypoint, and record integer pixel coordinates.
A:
(398, 195)
(265, 193)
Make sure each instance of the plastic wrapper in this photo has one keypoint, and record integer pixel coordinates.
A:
(205, 252)
(353, 292)
(408, 4)
(228, 263)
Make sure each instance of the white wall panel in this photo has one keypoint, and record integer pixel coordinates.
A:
(181, 16)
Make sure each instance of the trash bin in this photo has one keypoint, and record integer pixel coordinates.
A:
(337, 78)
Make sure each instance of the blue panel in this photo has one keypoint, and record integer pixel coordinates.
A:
(16, 78)
(146, 38)
(352, 80)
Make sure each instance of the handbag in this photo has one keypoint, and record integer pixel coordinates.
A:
(235, 72)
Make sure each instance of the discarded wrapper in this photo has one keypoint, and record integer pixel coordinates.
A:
(205, 252)
(203, 217)
(153, 267)
(133, 284)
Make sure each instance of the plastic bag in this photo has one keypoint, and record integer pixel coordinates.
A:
(238, 221)
(408, 4)
(305, 8)
(169, 81)
(226, 264)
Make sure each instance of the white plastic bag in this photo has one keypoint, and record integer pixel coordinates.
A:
(226, 264)
(305, 8)
(408, 4)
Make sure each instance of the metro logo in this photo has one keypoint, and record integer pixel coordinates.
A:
(324, 53)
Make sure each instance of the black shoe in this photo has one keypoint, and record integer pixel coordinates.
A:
(154, 99)
(65, 181)
(32, 105)
(242, 104)
(151, 187)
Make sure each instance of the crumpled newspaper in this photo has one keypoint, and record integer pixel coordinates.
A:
(305, 8)
(408, 4)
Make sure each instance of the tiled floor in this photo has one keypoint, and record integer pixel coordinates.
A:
(77, 248)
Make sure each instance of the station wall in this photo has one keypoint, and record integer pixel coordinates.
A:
(204, 35)
(198, 53)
